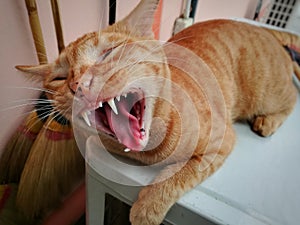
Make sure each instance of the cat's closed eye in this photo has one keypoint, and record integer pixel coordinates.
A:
(59, 78)
(104, 55)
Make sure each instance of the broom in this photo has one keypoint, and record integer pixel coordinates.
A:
(16, 151)
(54, 164)
(53, 168)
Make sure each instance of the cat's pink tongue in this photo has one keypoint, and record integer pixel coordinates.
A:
(125, 126)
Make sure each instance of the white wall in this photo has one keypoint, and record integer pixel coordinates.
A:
(78, 17)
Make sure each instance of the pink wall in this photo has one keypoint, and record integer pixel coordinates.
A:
(78, 17)
(211, 9)
(207, 9)
(17, 48)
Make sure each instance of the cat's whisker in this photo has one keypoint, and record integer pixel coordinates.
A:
(58, 114)
(125, 45)
(145, 63)
(40, 46)
(24, 114)
(36, 100)
(45, 114)
(34, 89)
(164, 45)
(25, 102)
(37, 40)
(101, 23)
(46, 125)
(63, 112)
(142, 43)
(113, 43)
(41, 54)
(148, 55)
(123, 49)
(150, 12)
(147, 14)
(132, 47)
(29, 102)
(41, 117)
(17, 106)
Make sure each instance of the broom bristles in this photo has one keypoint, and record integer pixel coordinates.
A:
(15, 154)
(54, 166)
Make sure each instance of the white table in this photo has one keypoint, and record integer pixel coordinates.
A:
(258, 184)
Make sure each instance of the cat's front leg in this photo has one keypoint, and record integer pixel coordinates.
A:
(154, 201)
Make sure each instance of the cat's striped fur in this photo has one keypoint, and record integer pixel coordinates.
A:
(252, 69)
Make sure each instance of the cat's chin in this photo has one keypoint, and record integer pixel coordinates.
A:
(122, 118)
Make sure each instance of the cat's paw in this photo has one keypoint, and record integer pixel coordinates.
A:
(147, 210)
(265, 125)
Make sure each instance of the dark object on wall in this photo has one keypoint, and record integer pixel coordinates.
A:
(112, 11)
(194, 4)
(258, 8)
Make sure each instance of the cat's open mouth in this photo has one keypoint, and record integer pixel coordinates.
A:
(121, 117)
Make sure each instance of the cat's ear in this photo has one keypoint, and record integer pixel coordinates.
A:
(140, 20)
(36, 72)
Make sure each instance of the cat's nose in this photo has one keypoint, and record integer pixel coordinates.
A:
(82, 87)
(74, 85)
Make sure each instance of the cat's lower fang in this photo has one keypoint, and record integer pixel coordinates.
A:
(120, 117)
(113, 106)
(127, 150)
(86, 118)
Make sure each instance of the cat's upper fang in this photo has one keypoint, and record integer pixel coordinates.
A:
(120, 117)
(113, 106)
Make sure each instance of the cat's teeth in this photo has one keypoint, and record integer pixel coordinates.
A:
(113, 106)
(86, 118)
(100, 104)
(127, 150)
(125, 95)
(118, 98)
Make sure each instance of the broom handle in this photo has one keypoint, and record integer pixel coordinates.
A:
(36, 31)
(57, 23)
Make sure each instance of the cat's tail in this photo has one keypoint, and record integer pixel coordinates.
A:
(291, 42)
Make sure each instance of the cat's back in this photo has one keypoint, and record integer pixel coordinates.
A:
(224, 42)
(248, 61)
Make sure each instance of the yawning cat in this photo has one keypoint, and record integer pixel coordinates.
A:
(120, 79)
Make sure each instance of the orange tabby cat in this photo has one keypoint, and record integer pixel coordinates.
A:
(120, 81)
